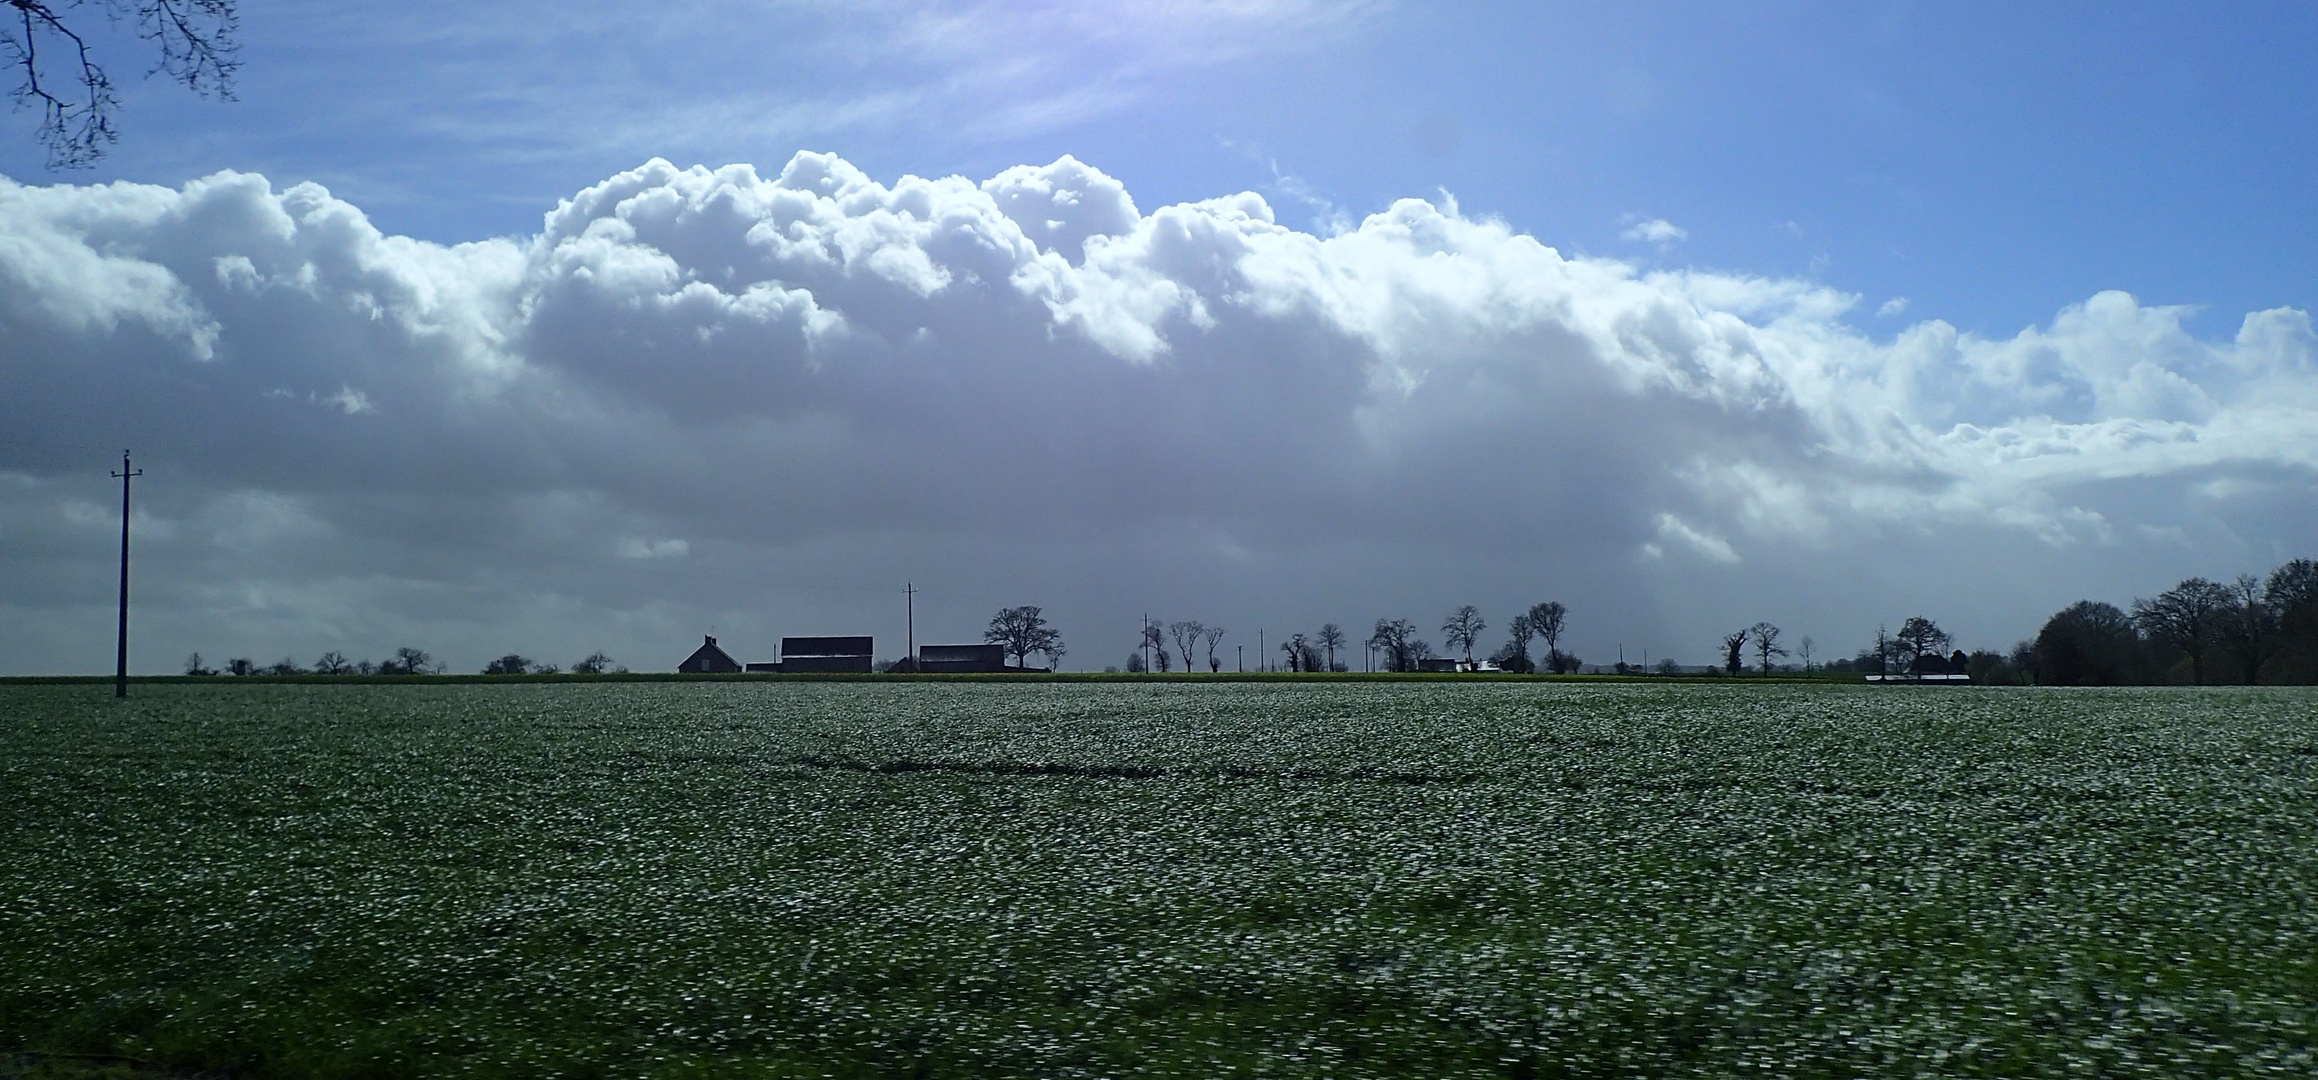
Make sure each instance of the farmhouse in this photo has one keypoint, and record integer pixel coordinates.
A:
(708, 660)
(848, 655)
(961, 659)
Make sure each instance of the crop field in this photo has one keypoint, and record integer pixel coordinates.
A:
(1119, 879)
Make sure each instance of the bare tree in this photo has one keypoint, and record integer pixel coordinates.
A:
(408, 661)
(332, 663)
(1463, 628)
(510, 664)
(1803, 651)
(1397, 638)
(1920, 636)
(1214, 635)
(1516, 651)
(2189, 617)
(1296, 646)
(57, 68)
(1155, 640)
(1330, 638)
(595, 663)
(1548, 620)
(1187, 634)
(194, 666)
(2250, 625)
(1733, 648)
(1020, 631)
(1767, 644)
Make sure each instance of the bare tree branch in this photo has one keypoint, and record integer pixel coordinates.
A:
(198, 49)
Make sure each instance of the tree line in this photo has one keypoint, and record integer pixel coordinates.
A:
(405, 661)
(1393, 644)
(2199, 632)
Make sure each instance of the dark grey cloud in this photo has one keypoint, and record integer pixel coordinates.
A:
(712, 398)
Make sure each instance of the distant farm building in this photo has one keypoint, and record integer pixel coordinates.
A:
(708, 660)
(961, 659)
(845, 655)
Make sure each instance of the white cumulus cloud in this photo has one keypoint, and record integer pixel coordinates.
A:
(1030, 389)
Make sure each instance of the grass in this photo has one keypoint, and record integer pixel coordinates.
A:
(1275, 877)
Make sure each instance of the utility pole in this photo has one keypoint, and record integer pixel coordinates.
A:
(1263, 662)
(1243, 658)
(1146, 646)
(909, 593)
(121, 652)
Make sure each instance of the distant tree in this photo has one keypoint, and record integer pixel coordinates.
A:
(2189, 617)
(332, 663)
(1803, 653)
(1767, 644)
(1462, 629)
(2249, 627)
(1295, 647)
(1919, 636)
(2088, 643)
(1397, 639)
(546, 669)
(1549, 619)
(510, 664)
(285, 666)
(1021, 631)
(76, 98)
(1155, 643)
(241, 665)
(1331, 639)
(1054, 654)
(1669, 667)
(408, 661)
(1214, 635)
(1733, 648)
(1187, 635)
(366, 668)
(1515, 655)
(595, 663)
(1135, 662)
(2291, 594)
(194, 666)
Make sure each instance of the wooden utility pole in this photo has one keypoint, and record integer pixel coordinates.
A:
(910, 591)
(121, 649)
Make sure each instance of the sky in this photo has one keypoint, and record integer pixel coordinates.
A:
(550, 330)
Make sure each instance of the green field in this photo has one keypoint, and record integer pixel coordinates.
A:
(1120, 879)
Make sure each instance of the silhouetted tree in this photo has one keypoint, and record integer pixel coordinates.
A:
(2291, 594)
(1803, 653)
(1397, 639)
(595, 663)
(75, 95)
(240, 665)
(332, 663)
(285, 666)
(1296, 646)
(510, 664)
(1918, 636)
(1154, 637)
(1135, 662)
(1515, 655)
(1462, 629)
(1669, 667)
(1214, 635)
(2189, 617)
(2249, 627)
(1330, 638)
(1549, 619)
(1187, 635)
(408, 661)
(2088, 643)
(1021, 631)
(194, 666)
(1767, 644)
(1733, 648)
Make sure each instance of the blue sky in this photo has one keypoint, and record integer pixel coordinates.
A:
(1688, 315)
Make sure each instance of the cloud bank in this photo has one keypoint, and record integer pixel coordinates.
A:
(718, 398)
